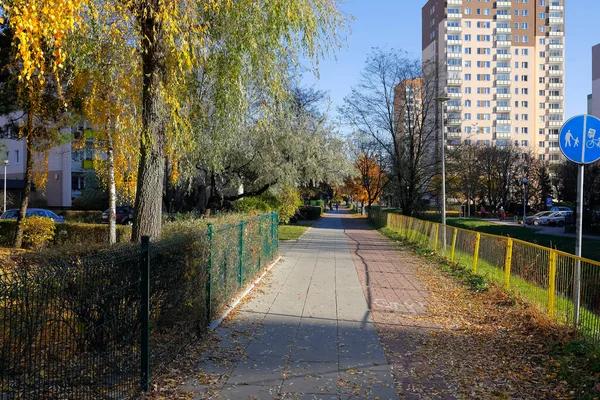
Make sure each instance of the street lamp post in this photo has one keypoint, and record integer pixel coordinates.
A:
(524, 201)
(442, 100)
(5, 165)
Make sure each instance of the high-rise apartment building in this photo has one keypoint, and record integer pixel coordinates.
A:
(594, 107)
(501, 64)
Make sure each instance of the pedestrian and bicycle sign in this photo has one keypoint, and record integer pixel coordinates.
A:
(579, 139)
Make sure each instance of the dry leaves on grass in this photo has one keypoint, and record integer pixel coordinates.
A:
(489, 345)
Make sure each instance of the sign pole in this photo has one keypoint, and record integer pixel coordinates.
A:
(579, 234)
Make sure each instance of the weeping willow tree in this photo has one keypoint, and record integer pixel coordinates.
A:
(169, 43)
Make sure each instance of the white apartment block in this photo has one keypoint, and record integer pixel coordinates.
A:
(501, 63)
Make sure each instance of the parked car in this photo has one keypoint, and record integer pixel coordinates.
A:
(535, 219)
(124, 216)
(560, 208)
(555, 219)
(40, 212)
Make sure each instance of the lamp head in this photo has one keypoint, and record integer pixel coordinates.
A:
(5, 163)
(442, 99)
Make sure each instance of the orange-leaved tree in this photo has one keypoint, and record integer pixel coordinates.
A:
(371, 180)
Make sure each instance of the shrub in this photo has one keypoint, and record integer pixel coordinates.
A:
(37, 231)
(248, 204)
(290, 201)
(310, 212)
(317, 203)
(89, 217)
(88, 234)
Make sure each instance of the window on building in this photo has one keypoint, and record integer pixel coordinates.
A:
(467, 50)
(542, 15)
(524, 25)
(467, 77)
(468, 38)
(525, 91)
(525, 13)
(524, 130)
(524, 117)
(525, 39)
(543, 28)
(468, 24)
(524, 104)
(467, 116)
(468, 90)
(17, 160)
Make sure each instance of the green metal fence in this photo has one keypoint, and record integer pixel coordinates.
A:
(99, 324)
(542, 276)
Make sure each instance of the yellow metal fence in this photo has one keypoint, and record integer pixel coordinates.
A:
(542, 276)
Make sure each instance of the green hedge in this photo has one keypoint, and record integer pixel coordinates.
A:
(70, 233)
(311, 212)
(317, 203)
(88, 217)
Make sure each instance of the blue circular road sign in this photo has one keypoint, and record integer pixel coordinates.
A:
(579, 139)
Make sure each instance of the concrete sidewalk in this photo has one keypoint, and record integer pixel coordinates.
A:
(309, 334)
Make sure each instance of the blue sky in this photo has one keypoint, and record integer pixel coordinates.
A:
(397, 23)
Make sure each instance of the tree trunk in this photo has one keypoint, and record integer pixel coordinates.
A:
(148, 200)
(28, 180)
(112, 192)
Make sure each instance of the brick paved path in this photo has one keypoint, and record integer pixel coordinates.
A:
(309, 332)
(396, 298)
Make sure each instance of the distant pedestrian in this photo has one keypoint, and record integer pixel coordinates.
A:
(483, 212)
(337, 205)
(501, 213)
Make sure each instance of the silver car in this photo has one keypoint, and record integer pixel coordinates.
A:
(555, 219)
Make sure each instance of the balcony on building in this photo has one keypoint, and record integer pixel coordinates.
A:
(556, 111)
(453, 134)
(502, 135)
(555, 98)
(453, 122)
(454, 42)
(454, 95)
(454, 16)
(503, 43)
(506, 56)
(453, 55)
(556, 46)
(556, 7)
(503, 4)
(556, 21)
(502, 109)
(455, 2)
(454, 82)
(453, 108)
(503, 17)
(555, 124)
(455, 29)
(556, 33)
(500, 31)
(505, 122)
(455, 68)
(556, 85)
(555, 60)
(556, 72)
(500, 70)
(502, 83)
(502, 96)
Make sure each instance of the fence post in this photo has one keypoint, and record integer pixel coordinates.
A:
(453, 244)
(241, 255)
(208, 288)
(437, 233)
(507, 262)
(476, 252)
(145, 314)
(551, 283)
